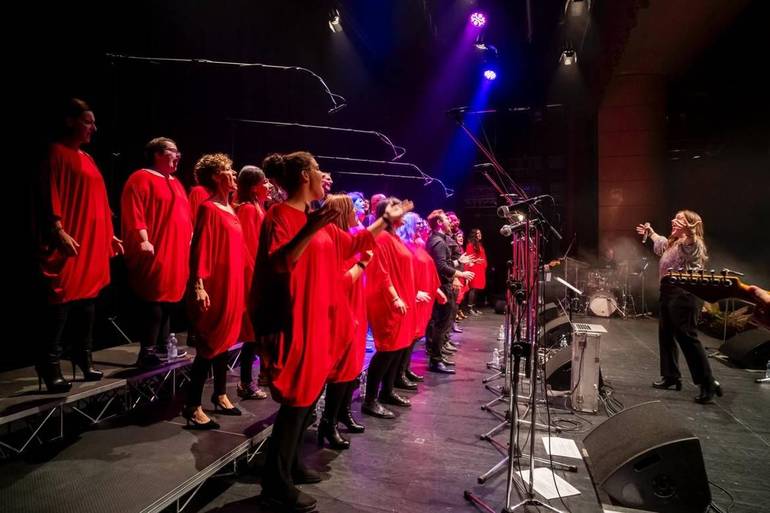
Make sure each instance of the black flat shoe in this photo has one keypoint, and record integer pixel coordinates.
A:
(416, 378)
(441, 368)
(233, 412)
(305, 475)
(405, 384)
(395, 400)
(667, 383)
(375, 409)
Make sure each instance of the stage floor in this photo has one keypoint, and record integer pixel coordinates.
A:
(426, 458)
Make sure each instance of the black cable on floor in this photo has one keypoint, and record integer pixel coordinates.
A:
(715, 506)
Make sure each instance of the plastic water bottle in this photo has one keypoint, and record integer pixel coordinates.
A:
(171, 346)
(362, 389)
(767, 370)
(496, 357)
(501, 333)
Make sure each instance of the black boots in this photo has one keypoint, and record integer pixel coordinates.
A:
(707, 391)
(668, 382)
(346, 416)
(50, 374)
(85, 363)
(328, 430)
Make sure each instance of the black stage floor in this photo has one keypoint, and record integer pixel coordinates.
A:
(426, 458)
(422, 461)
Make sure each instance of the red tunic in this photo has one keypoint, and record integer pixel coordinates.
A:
(251, 216)
(427, 280)
(480, 280)
(152, 202)
(198, 194)
(350, 362)
(294, 304)
(79, 200)
(391, 265)
(217, 259)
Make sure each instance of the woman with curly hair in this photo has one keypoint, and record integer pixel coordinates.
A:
(684, 248)
(217, 288)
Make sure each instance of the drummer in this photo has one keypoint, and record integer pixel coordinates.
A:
(608, 260)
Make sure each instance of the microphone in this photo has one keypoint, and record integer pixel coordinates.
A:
(644, 239)
(507, 229)
(337, 108)
(455, 111)
(486, 164)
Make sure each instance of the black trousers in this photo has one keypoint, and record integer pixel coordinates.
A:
(156, 325)
(77, 317)
(382, 371)
(440, 322)
(199, 373)
(472, 296)
(678, 320)
(283, 450)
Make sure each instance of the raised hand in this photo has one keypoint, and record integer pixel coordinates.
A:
(395, 211)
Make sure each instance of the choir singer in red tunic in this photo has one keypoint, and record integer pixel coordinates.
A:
(157, 229)
(296, 291)
(79, 242)
(217, 295)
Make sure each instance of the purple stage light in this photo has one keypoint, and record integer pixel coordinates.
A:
(478, 19)
(490, 74)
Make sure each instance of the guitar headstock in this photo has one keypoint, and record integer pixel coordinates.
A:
(708, 285)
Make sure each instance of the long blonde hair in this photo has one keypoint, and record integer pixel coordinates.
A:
(344, 204)
(695, 227)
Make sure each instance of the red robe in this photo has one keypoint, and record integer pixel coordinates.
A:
(480, 280)
(251, 216)
(217, 259)
(391, 265)
(294, 304)
(198, 194)
(159, 205)
(79, 200)
(350, 361)
(427, 280)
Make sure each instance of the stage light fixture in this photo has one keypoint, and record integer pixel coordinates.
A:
(479, 42)
(490, 74)
(568, 57)
(334, 21)
(478, 19)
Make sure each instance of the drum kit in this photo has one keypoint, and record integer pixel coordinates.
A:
(606, 290)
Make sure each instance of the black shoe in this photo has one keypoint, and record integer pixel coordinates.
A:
(375, 409)
(148, 360)
(188, 412)
(395, 400)
(666, 383)
(50, 374)
(347, 420)
(233, 412)
(447, 361)
(290, 501)
(449, 348)
(440, 367)
(411, 376)
(84, 361)
(328, 430)
(404, 384)
(305, 475)
(707, 391)
(456, 328)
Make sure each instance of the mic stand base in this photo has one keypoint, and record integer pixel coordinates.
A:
(531, 502)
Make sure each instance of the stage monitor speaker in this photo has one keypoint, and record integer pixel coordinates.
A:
(500, 306)
(750, 349)
(549, 312)
(644, 458)
(558, 332)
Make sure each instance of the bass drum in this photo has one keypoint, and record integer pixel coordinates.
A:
(602, 304)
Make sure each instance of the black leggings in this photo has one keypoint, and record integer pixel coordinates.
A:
(382, 371)
(248, 352)
(79, 317)
(199, 373)
(156, 325)
(678, 321)
(283, 455)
